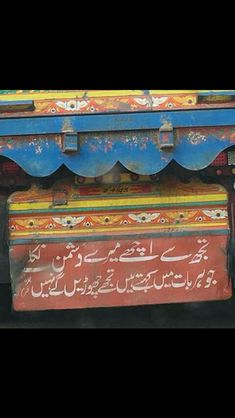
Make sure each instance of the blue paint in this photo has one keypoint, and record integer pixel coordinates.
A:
(70, 143)
(219, 93)
(131, 139)
(115, 122)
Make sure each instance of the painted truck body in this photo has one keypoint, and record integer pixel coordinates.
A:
(103, 237)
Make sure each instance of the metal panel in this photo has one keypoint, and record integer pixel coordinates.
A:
(88, 246)
(140, 151)
(119, 273)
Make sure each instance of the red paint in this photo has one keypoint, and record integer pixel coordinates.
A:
(221, 160)
(117, 272)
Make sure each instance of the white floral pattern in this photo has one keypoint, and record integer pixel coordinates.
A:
(69, 220)
(144, 217)
(73, 105)
(157, 101)
(216, 214)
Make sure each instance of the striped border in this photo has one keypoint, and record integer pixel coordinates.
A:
(54, 94)
(116, 204)
(120, 237)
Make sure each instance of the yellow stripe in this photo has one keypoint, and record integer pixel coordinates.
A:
(72, 94)
(144, 201)
(200, 226)
(186, 91)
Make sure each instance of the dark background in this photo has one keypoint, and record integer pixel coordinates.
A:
(218, 314)
(164, 66)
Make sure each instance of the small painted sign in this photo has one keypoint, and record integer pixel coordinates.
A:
(119, 272)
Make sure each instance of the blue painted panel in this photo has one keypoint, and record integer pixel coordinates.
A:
(120, 122)
(39, 158)
(106, 139)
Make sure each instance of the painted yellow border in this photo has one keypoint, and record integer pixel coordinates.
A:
(144, 201)
(135, 228)
(73, 94)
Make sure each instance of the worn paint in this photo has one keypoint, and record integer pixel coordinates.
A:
(127, 244)
(119, 272)
(140, 151)
(50, 103)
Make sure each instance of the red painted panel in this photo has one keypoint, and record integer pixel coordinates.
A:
(120, 272)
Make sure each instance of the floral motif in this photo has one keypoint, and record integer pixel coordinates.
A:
(216, 214)
(73, 105)
(112, 221)
(196, 138)
(69, 221)
(142, 102)
(144, 217)
(157, 101)
(107, 219)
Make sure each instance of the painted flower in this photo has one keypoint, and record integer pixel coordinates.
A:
(69, 221)
(196, 138)
(142, 101)
(72, 105)
(216, 214)
(144, 217)
(157, 101)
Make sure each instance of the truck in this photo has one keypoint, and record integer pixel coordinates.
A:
(117, 198)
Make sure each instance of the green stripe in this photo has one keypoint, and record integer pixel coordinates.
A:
(119, 237)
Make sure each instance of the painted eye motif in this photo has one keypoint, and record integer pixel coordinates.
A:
(163, 220)
(12, 228)
(170, 105)
(87, 224)
(216, 214)
(200, 218)
(50, 226)
(53, 110)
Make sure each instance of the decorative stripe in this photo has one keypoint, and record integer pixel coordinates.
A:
(93, 209)
(120, 237)
(136, 229)
(69, 94)
(120, 203)
(53, 94)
